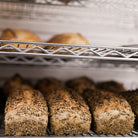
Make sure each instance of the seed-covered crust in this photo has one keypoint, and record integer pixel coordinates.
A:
(26, 113)
(49, 84)
(112, 86)
(111, 113)
(80, 84)
(69, 113)
(132, 98)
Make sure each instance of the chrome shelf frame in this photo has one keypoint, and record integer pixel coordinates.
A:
(35, 53)
(50, 2)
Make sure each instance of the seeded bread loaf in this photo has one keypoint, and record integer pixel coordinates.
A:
(112, 86)
(132, 98)
(26, 113)
(69, 114)
(80, 84)
(111, 113)
(49, 84)
(15, 82)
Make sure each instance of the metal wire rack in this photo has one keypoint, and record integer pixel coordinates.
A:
(49, 2)
(23, 9)
(32, 8)
(32, 53)
(88, 3)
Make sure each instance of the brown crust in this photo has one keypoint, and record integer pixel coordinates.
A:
(69, 113)
(26, 113)
(132, 98)
(8, 34)
(19, 35)
(68, 38)
(49, 84)
(111, 113)
(15, 82)
(112, 86)
(80, 84)
(12, 84)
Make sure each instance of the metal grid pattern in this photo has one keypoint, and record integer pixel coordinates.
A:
(50, 2)
(134, 133)
(30, 3)
(32, 8)
(126, 53)
(127, 4)
(64, 54)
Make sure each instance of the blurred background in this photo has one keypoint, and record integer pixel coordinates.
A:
(102, 22)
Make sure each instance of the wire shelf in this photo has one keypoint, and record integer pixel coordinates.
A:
(49, 2)
(32, 53)
(127, 4)
(32, 8)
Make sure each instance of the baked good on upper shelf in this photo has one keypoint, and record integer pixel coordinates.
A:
(80, 84)
(68, 113)
(19, 35)
(112, 86)
(26, 113)
(49, 84)
(132, 98)
(111, 113)
(68, 38)
(15, 82)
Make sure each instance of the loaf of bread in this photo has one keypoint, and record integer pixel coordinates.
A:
(15, 82)
(19, 35)
(26, 113)
(68, 113)
(80, 84)
(68, 38)
(132, 98)
(112, 86)
(49, 84)
(112, 114)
